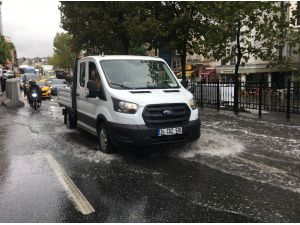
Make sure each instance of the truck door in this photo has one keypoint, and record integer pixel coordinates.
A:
(93, 104)
(82, 111)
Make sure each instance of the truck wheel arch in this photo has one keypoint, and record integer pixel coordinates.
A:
(100, 119)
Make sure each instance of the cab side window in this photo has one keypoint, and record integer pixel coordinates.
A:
(94, 75)
(82, 74)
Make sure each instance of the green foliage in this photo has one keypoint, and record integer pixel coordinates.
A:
(219, 29)
(244, 29)
(122, 27)
(296, 78)
(171, 26)
(99, 27)
(5, 49)
(185, 26)
(63, 55)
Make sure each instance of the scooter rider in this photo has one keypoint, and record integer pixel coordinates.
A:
(33, 86)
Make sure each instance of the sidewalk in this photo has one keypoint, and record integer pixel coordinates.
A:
(268, 116)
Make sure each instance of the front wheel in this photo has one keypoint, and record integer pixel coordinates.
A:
(35, 105)
(105, 143)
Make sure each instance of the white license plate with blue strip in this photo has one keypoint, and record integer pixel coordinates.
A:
(169, 131)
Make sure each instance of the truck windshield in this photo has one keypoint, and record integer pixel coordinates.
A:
(138, 74)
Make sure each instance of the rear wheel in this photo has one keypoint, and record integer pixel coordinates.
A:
(70, 120)
(105, 143)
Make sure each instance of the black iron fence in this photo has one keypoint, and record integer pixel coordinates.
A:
(279, 97)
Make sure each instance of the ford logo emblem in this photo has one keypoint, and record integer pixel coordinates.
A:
(168, 112)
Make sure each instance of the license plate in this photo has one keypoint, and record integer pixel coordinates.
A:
(169, 131)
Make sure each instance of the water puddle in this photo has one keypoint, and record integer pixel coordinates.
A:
(212, 143)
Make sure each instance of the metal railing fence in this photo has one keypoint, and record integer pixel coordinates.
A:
(278, 97)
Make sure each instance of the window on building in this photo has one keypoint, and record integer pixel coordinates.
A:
(233, 61)
(176, 64)
(82, 74)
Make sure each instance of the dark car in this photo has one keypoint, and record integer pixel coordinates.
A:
(57, 83)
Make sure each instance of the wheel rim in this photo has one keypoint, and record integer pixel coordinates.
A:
(103, 139)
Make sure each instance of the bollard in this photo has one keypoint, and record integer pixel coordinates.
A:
(11, 98)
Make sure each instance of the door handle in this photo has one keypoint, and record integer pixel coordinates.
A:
(77, 94)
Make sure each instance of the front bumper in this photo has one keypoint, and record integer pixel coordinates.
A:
(141, 135)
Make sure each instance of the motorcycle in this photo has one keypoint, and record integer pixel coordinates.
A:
(34, 100)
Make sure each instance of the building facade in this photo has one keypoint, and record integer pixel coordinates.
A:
(254, 69)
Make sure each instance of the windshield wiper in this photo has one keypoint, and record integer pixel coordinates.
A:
(121, 85)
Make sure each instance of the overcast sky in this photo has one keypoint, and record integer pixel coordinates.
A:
(32, 25)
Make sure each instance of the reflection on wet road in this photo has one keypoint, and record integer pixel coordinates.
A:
(241, 170)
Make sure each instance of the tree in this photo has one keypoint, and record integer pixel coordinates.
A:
(99, 27)
(238, 30)
(63, 54)
(149, 25)
(124, 27)
(173, 25)
(186, 28)
(5, 49)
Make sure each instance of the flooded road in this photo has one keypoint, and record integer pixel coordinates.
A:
(241, 170)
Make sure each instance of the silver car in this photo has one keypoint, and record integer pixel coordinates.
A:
(57, 83)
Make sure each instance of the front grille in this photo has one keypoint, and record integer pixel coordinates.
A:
(156, 116)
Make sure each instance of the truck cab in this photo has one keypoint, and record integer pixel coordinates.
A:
(130, 100)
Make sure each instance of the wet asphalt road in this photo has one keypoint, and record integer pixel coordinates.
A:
(241, 170)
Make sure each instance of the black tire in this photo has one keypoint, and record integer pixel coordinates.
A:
(71, 121)
(35, 106)
(104, 139)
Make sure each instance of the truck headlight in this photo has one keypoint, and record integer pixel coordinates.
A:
(192, 104)
(124, 107)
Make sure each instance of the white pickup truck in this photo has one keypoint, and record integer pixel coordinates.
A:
(129, 100)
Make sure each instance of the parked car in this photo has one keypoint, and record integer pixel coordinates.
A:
(46, 91)
(57, 83)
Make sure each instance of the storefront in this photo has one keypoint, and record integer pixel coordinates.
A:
(255, 73)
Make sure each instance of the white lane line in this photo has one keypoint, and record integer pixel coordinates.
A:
(73, 192)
